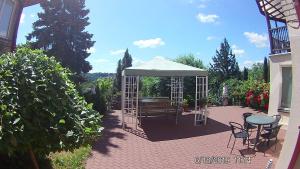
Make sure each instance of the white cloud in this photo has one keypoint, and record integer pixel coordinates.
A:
(210, 38)
(149, 43)
(22, 19)
(137, 61)
(258, 40)
(211, 18)
(91, 50)
(249, 63)
(117, 52)
(237, 51)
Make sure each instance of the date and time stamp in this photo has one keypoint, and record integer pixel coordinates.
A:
(222, 160)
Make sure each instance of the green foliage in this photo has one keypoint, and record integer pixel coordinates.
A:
(266, 70)
(248, 93)
(70, 159)
(104, 94)
(164, 86)
(99, 93)
(189, 82)
(190, 60)
(95, 76)
(150, 86)
(40, 107)
(60, 31)
(224, 63)
(122, 64)
(245, 74)
(127, 60)
(224, 67)
(118, 78)
(257, 72)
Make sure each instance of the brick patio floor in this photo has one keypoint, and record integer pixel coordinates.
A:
(161, 144)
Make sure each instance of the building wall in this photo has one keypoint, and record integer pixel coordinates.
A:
(6, 44)
(294, 121)
(276, 63)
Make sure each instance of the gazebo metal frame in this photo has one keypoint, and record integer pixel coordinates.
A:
(130, 88)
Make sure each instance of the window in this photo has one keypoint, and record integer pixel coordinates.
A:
(6, 11)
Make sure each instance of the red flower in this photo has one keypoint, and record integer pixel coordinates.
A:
(266, 106)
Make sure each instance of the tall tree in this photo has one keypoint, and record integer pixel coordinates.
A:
(245, 74)
(224, 63)
(224, 67)
(189, 82)
(266, 70)
(122, 64)
(127, 60)
(60, 31)
(257, 72)
(118, 79)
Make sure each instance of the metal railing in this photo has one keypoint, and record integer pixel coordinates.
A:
(280, 42)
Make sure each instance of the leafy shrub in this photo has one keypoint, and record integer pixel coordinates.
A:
(40, 109)
(99, 93)
(104, 91)
(250, 93)
(70, 160)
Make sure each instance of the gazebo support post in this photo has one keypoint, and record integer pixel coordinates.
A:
(177, 93)
(130, 99)
(123, 101)
(137, 79)
(201, 92)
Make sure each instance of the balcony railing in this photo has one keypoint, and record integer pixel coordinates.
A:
(279, 39)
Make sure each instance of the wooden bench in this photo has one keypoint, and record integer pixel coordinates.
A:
(158, 106)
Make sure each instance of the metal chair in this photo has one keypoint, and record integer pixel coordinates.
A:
(237, 131)
(268, 128)
(272, 134)
(248, 126)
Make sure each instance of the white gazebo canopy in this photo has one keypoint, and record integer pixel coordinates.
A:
(163, 67)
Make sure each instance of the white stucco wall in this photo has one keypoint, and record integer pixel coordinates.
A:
(276, 63)
(294, 121)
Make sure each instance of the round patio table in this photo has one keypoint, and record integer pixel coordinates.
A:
(259, 120)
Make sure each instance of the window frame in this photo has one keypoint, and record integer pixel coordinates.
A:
(8, 31)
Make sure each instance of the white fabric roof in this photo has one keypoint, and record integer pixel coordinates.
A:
(163, 67)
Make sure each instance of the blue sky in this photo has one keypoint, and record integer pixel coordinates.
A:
(168, 28)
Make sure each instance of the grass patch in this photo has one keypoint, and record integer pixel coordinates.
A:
(70, 160)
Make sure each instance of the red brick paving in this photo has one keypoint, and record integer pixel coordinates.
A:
(163, 145)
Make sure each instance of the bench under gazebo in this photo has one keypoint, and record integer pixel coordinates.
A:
(135, 107)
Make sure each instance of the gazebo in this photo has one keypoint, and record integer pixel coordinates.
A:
(160, 67)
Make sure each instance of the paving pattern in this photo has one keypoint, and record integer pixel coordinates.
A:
(161, 144)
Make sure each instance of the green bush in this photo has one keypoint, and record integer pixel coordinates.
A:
(40, 109)
(104, 91)
(70, 160)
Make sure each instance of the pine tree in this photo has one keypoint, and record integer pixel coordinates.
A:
(245, 74)
(266, 70)
(127, 60)
(224, 67)
(224, 63)
(122, 64)
(118, 79)
(60, 31)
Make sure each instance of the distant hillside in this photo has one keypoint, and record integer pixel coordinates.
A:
(95, 76)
